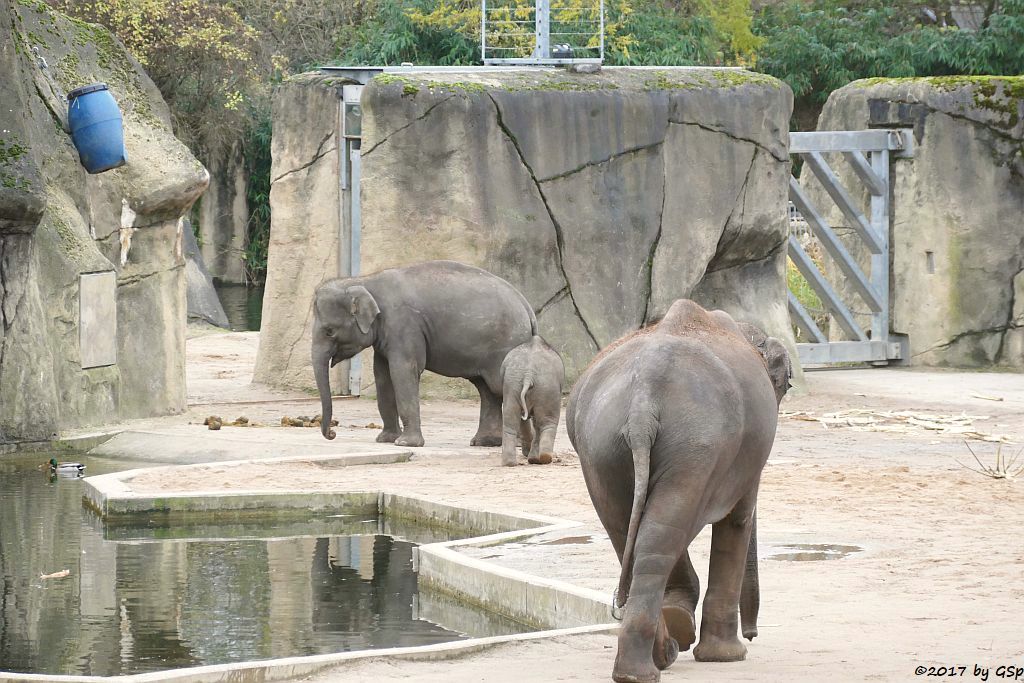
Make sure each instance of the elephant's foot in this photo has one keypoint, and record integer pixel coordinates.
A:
(622, 673)
(414, 440)
(633, 661)
(509, 459)
(486, 440)
(680, 625)
(388, 436)
(714, 649)
(542, 459)
(666, 651)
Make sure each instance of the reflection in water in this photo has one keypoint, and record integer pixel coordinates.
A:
(142, 603)
(243, 305)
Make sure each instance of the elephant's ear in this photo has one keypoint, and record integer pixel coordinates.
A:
(780, 367)
(364, 307)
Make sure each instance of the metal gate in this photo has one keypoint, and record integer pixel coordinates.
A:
(867, 153)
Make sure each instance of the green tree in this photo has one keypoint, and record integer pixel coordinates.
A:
(820, 46)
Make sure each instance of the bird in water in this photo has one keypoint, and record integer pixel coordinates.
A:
(72, 469)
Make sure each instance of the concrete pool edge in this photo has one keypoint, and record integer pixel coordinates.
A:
(556, 607)
(288, 668)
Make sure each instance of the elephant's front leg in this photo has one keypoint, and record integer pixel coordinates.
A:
(405, 378)
(386, 405)
(488, 433)
(719, 624)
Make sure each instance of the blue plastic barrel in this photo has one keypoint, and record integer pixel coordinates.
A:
(96, 127)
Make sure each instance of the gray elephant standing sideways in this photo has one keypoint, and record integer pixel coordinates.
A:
(673, 425)
(532, 380)
(447, 317)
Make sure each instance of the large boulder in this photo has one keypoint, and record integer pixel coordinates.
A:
(602, 197)
(92, 289)
(957, 239)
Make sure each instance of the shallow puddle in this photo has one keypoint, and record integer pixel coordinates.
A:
(568, 540)
(812, 552)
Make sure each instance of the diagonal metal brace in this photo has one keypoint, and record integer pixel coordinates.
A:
(835, 247)
(824, 291)
(830, 181)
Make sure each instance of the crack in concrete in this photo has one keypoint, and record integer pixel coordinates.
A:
(555, 298)
(741, 196)
(613, 157)
(1011, 324)
(653, 253)
(136, 279)
(998, 329)
(727, 134)
(320, 153)
(559, 240)
(363, 153)
(772, 253)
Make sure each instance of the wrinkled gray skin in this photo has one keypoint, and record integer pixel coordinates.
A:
(447, 317)
(533, 377)
(690, 406)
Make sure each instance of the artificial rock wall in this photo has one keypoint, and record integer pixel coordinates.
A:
(602, 197)
(224, 215)
(92, 296)
(957, 212)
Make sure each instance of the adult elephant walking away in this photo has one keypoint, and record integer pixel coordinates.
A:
(446, 317)
(673, 426)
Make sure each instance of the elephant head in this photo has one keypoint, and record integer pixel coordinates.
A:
(776, 358)
(343, 325)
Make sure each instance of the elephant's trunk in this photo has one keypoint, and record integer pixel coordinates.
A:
(750, 594)
(641, 479)
(321, 370)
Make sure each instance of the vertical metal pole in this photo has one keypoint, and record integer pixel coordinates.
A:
(880, 262)
(542, 22)
(355, 368)
(483, 32)
(602, 29)
(343, 184)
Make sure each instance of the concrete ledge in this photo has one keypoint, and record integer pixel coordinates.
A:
(289, 668)
(555, 606)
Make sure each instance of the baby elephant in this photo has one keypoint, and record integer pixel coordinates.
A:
(532, 376)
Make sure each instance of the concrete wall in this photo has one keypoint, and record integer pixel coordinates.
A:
(957, 236)
(57, 223)
(602, 197)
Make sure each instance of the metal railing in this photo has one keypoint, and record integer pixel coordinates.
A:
(542, 32)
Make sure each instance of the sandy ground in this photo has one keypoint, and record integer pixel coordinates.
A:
(933, 577)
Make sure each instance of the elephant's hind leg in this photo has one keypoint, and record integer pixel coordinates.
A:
(645, 645)
(489, 431)
(730, 538)
(680, 606)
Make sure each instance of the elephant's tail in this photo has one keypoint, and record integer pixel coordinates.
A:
(640, 439)
(750, 594)
(527, 383)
